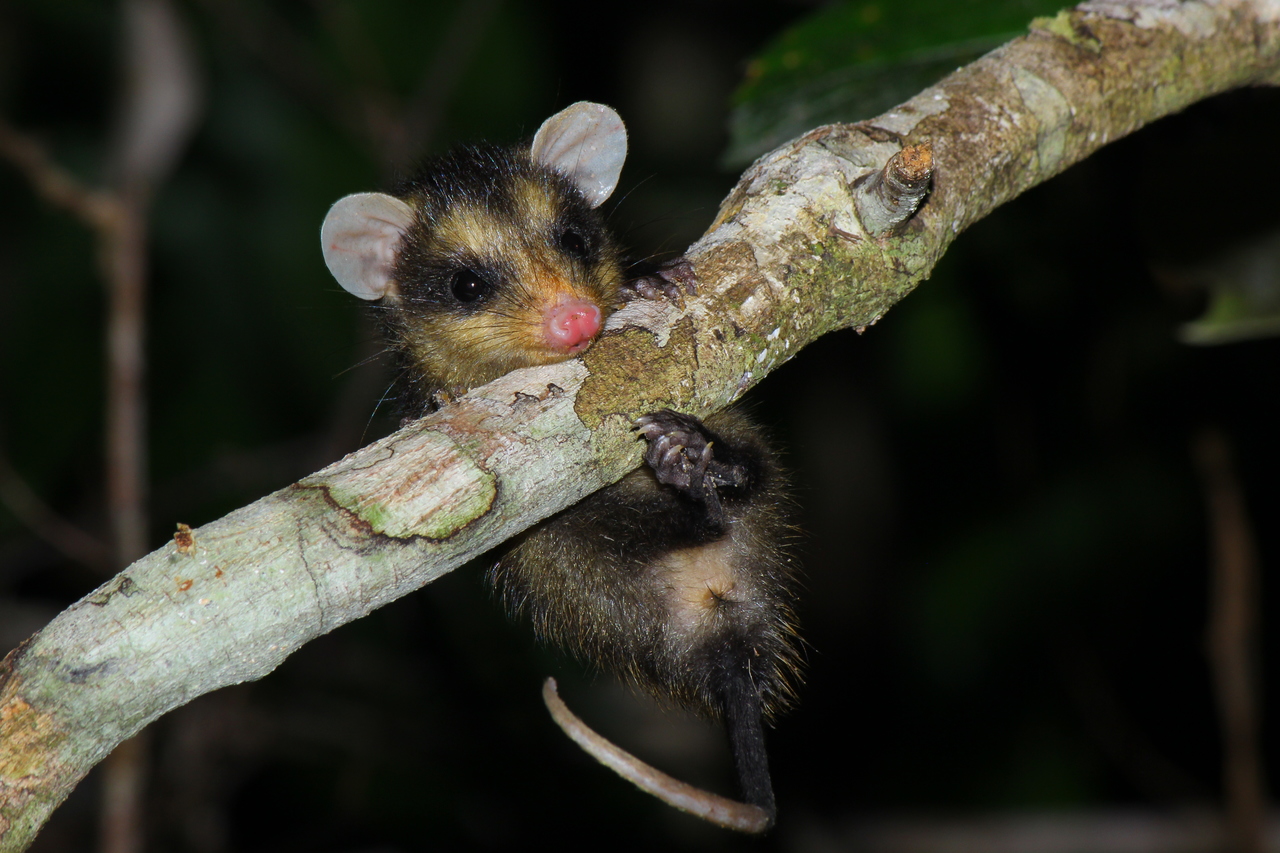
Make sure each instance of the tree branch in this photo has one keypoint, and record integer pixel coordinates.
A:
(786, 261)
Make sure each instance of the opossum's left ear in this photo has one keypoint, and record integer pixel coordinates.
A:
(587, 143)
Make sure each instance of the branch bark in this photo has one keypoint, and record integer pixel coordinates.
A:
(786, 261)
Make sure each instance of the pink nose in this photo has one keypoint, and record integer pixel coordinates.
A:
(572, 324)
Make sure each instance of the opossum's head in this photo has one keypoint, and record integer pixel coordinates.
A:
(490, 259)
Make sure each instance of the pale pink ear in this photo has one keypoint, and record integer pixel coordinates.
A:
(587, 143)
(359, 238)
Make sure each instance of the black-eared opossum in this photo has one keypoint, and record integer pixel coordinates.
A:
(678, 576)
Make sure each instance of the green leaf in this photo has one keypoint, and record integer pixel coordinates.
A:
(855, 60)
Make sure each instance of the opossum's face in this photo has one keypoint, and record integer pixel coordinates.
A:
(496, 274)
(490, 258)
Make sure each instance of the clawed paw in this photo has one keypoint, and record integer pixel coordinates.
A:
(672, 281)
(679, 452)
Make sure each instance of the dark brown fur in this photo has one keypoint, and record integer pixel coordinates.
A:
(636, 579)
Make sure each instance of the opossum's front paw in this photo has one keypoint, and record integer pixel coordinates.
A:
(679, 452)
(673, 281)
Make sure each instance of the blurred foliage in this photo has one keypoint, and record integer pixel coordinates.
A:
(1243, 284)
(1006, 562)
(854, 60)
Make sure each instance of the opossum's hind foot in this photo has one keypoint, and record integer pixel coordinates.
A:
(687, 456)
(719, 810)
(679, 450)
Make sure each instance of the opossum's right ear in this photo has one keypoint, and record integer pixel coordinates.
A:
(359, 238)
(587, 143)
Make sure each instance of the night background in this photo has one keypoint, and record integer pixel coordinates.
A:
(1006, 546)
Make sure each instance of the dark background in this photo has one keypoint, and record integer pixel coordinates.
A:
(1006, 557)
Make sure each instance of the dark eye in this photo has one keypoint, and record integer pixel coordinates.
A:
(573, 244)
(467, 286)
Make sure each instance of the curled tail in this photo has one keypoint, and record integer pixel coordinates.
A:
(731, 814)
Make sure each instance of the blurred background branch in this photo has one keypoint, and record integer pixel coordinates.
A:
(158, 106)
(1232, 640)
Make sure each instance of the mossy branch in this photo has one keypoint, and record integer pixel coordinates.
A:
(787, 260)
